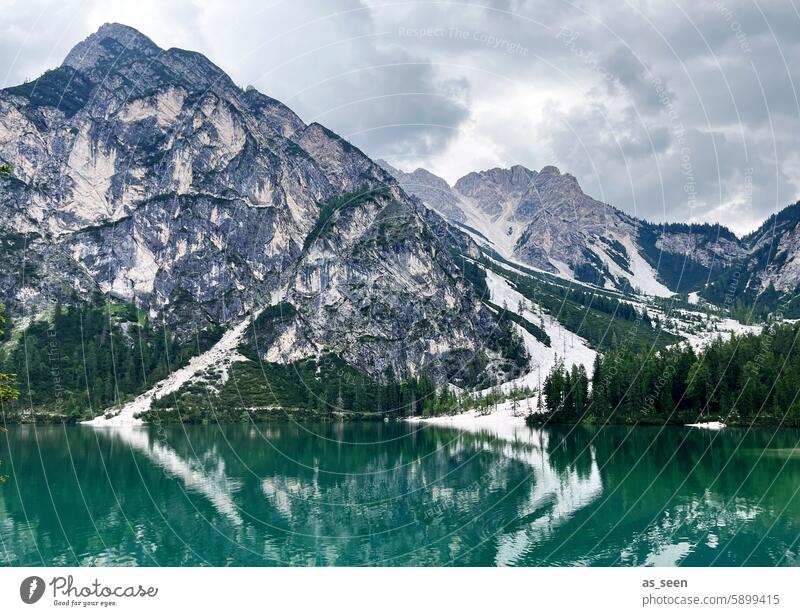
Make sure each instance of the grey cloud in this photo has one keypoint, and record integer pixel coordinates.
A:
(639, 70)
(711, 61)
(330, 66)
(604, 133)
(394, 106)
(634, 77)
(696, 177)
(34, 36)
(389, 101)
(323, 60)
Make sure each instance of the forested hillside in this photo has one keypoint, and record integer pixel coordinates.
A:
(90, 356)
(323, 387)
(752, 378)
(600, 317)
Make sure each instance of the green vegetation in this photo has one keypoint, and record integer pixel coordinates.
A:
(7, 381)
(508, 344)
(618, 253)
(324, 387)
(679, 272)
(471, 230)
(593, 271)
(473, 272)
(504, 314)
(603, 319)
(567, 391)
(90, 356)
(332, 208)
(256, 389)
(732, 287)
(735, 288)
(749, 379)
(64, 88)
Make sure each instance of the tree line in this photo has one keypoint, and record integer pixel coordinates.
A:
(87, 357)
(749, 378)
(323, 388)
(598, 317)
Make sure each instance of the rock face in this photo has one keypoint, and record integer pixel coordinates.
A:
(772, 260)
(148, 175)
(545, 220)
(553, 225)
(710, 245)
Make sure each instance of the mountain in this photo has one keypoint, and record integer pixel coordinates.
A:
(185, 242)
(148, 176)
(689, 257)
(545, 220)
(431, 189)
(765, 276)
(774, 257)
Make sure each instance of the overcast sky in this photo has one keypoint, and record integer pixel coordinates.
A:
(681, 111)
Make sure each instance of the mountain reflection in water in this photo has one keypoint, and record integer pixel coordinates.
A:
(398, 494)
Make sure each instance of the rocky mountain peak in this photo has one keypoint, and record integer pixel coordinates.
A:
(544, 219)
(119, 62)
(421, 173)
(107, 45)
(149, 176)
(432, 190)
(494, 185)
(514, 179)
(550, 179)
(550, 170)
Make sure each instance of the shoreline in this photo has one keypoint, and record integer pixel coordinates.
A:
(501, 423)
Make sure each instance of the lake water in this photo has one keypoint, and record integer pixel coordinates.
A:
(398, 494)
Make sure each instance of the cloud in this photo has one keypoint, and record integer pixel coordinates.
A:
(637, 95)
(613, 93)
(322, 61)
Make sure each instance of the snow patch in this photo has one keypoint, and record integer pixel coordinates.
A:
(503, 422)
(222, 354)
(708, 425)
(564, 345)
(644, 276)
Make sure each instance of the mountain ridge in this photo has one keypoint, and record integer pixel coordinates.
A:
(423, 172)
(683, 257)
(149, 176)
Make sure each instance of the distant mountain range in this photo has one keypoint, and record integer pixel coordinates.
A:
(544, 219)
(147, 176)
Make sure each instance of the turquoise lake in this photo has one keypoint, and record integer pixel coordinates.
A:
(398, 494)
